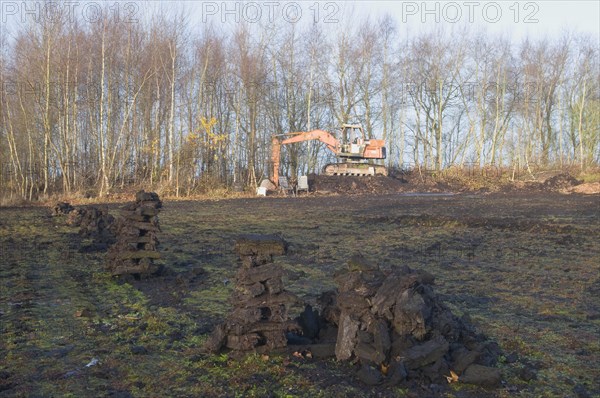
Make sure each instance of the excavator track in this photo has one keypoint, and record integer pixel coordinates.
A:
(354, 169)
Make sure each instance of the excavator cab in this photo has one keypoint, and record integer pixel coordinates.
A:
(352, 134)
(355, 146)
(352, 138)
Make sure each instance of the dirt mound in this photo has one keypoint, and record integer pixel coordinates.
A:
(560, 182)
(399, 331)
(348, 185)
(589, 188)
(423, 182)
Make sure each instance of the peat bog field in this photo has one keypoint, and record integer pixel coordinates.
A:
(525, 267)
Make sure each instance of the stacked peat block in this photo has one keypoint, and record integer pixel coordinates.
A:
(136, 237)
(62, 208)
(75, 216)
(95, 223)
(259, 320)
(399, 330)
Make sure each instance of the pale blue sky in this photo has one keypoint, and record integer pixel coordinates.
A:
(513, 18)
(516, 19)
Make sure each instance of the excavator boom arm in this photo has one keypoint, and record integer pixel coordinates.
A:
(329, 140)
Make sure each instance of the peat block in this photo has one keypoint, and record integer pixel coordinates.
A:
(75, 216)
(62, 208)
(369, 375)
(148, 198)
(482, 375)
(93, 222)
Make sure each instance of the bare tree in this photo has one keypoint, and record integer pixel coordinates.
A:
(435, 89)
(98, 106)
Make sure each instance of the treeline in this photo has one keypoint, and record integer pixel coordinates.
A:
(99, 106)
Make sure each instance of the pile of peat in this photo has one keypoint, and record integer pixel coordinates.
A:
(259, 320)
(398, 331)
(392, 326)
(136, 245)
(62, 209)
(93, 222)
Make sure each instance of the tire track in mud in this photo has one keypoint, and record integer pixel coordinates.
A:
(500, 223)
(43, 284)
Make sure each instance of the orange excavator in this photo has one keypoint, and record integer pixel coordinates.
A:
(352, 148)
